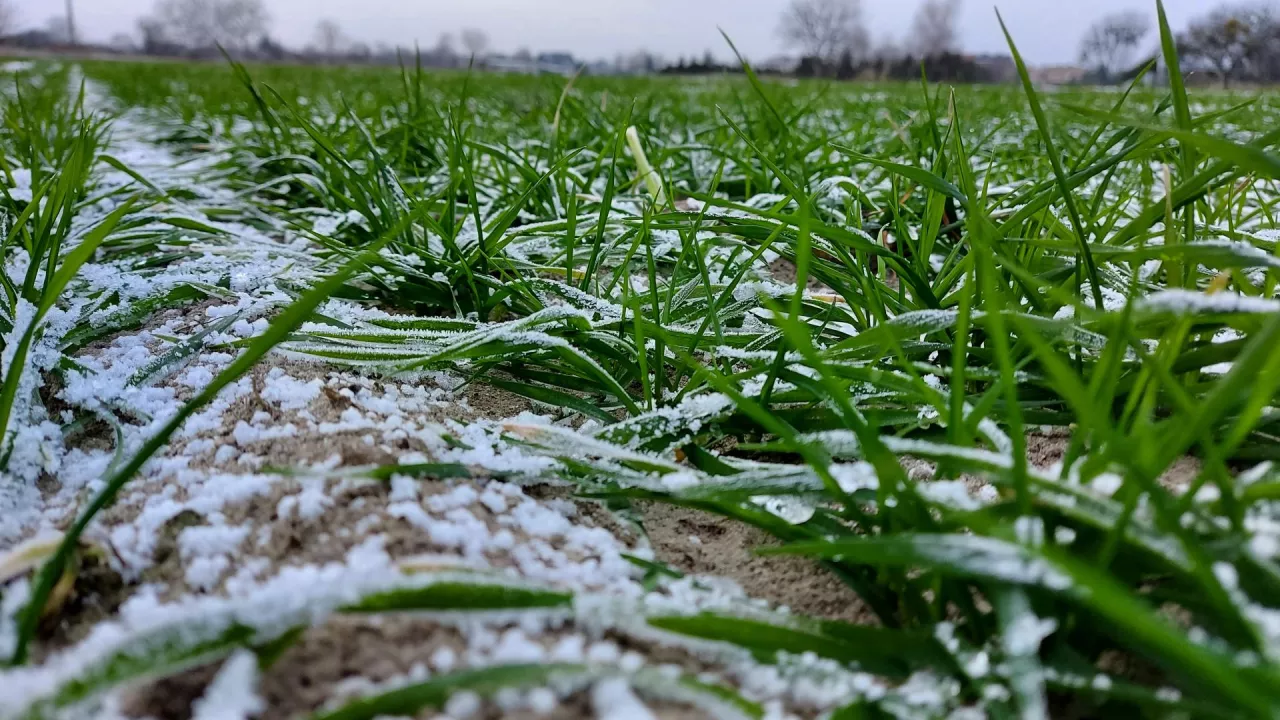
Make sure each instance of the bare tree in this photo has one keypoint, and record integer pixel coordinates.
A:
(1262, 54)
(444, 53)
(242, 21)
(329, 38)
(153, 37)
(475, 41)
(933, 31)
(188, 22)
(1109, 44)
(233, 24)
(1226, 39)
(824, 29)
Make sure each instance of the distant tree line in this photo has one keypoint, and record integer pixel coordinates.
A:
(1235, 42)
(242, 28)
(200, 26)
(693, 66)
(941, 67)
(835, 43)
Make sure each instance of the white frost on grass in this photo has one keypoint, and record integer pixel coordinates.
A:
(673, 423)
(20, 190)
(206, 550)
(480, 523)
(1183, 302)
(12, 603)
(295, 596)
(289, 393)
(233, 694)
(613, 699)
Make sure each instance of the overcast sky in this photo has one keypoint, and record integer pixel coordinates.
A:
(1047, 31)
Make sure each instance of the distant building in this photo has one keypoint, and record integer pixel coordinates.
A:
(555, 58)
(556, 63)
(507, 63)
(560, 63)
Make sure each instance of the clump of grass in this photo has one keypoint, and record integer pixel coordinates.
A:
(51, 142)
(965, 278)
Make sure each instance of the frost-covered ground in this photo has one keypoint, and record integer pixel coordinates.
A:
(518, 461)
(210, 538)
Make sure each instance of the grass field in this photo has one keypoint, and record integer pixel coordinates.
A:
(356, 393)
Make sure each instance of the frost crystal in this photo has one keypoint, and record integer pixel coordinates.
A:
(233, 693)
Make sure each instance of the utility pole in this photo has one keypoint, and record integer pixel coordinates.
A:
(71, 23)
